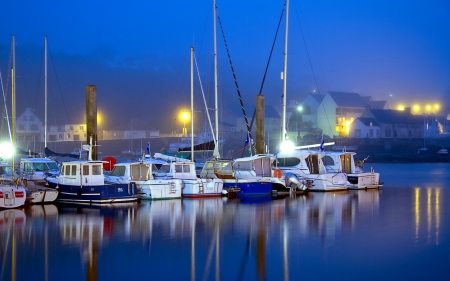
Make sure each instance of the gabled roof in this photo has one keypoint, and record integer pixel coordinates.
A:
(317, 97)
(368, 121)
(343, 99)
(379, 104)
(391, 116)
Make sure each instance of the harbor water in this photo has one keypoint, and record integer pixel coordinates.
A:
(400, 232)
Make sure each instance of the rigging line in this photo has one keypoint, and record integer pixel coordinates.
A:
(236, 84)
(310, 64)
(204, 100)
(6, 109)
(59, 86)
(268, 62)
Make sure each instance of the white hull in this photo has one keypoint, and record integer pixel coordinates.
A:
(12, 196)
(41, 196)
(364, 180)
(160, 189)
(327, 182)
(202, 187)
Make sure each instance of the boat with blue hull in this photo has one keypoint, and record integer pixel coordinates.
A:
(83, 182)
(244, 176)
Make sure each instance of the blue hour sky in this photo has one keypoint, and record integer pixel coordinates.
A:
(137, 53)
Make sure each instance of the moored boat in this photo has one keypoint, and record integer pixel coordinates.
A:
(148, 187)
(83, 182)
(357, 178)
(194, 187)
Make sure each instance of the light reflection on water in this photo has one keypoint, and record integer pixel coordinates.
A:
(397, 232)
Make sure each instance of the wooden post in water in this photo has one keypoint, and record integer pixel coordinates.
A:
(91, 118)
(260, 124)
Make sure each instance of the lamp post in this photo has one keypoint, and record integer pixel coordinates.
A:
(299, 112)
(185, 117)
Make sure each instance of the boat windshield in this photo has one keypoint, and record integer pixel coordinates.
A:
(164, 169)
(118, 171)
(5, 171)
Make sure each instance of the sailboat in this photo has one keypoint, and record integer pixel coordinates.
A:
(304, 169)
(194, 187)
(35, 170)
(12, 193)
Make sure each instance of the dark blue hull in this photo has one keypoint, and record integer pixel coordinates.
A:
(249, 188)
(107, 193)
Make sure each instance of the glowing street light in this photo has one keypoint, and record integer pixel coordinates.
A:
(6, 150)
(184, 117)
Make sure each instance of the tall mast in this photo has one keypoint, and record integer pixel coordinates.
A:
(192, 104)
(45, 91)
(283, 126)
(13, 97)
(216, 153)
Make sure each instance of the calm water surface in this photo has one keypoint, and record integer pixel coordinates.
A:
(400, 232)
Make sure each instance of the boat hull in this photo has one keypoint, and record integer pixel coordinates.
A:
(202, 188)
(160, 190)
(42, 196)
(246, 188)
(12, 196)
(107, 193)
(364, 180)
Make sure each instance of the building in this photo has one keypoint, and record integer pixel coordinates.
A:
(388, 123)
(29, 127)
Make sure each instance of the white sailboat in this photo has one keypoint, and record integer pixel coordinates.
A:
(12, 193)
(34, 170)
(303, 168)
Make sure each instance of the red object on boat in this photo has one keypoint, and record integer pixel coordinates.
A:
(109, 163)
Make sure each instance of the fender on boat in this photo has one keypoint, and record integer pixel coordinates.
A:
(292, 180)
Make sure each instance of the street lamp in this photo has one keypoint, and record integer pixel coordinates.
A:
(299, 109)
(184, 117)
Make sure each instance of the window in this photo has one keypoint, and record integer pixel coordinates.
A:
(287, 162)
(24, 118)
(118, 171)
(21, 127)
(31, 118)
(96, 170)
(371, 133)
(60, 136)
(34, 127)
(85, 170)
(81, 128)
(357, 133)
(74, 170)
(68, 136)
(327, 160)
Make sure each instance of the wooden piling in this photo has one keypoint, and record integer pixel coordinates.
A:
(260, 145)
(91, 118)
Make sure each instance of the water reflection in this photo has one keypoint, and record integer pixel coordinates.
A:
(432, 201)
(220, 238)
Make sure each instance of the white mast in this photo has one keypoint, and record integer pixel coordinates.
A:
(192, 104)
(45, 91)
(13, 98)
(216, 153)
(283, 126)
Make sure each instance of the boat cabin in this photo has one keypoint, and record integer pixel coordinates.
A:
(36, 168)
(177, 170)
(82, 173)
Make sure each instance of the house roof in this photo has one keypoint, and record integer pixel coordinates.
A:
(317, 97)
(390, 116)
(379, 104)
(344, 99)
(368, 121)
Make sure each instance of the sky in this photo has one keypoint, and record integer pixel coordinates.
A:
(138, 54)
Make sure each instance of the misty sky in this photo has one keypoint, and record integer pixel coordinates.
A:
(137, 54)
